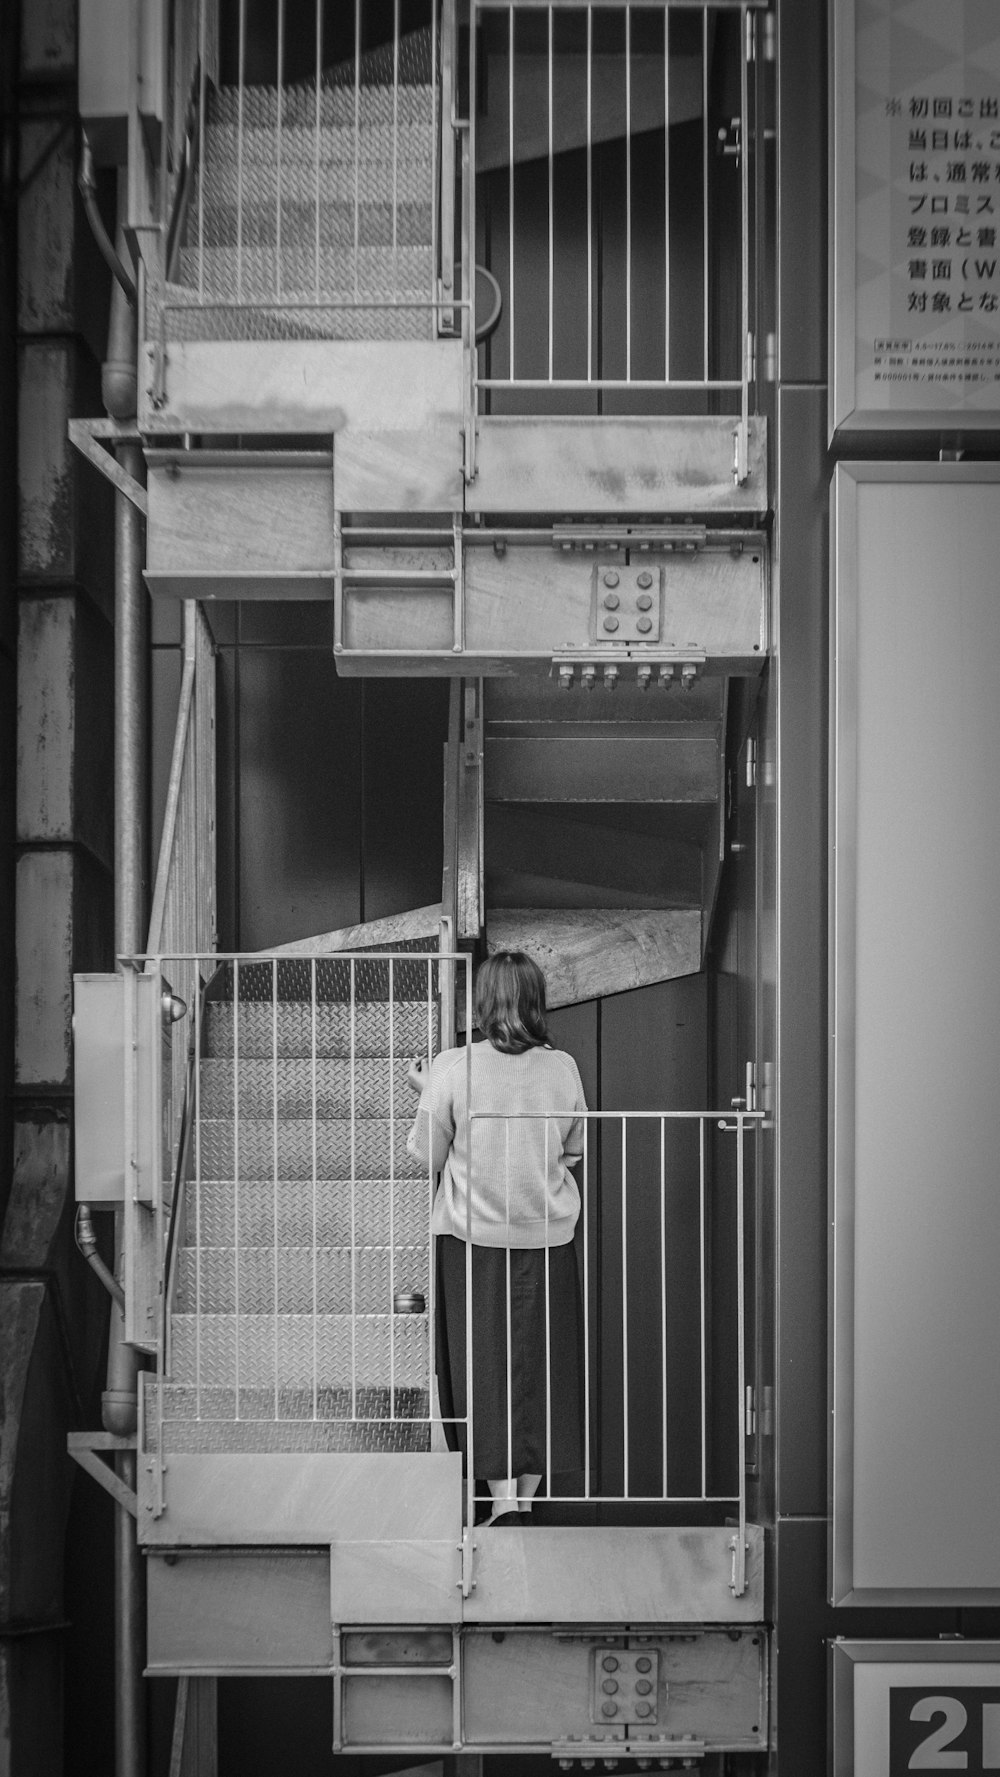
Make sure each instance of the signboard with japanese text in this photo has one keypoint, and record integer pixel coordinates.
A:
(915, 215)
(915, 1706)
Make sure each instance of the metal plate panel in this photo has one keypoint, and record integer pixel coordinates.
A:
(649, 465)
(99, 1095)
(240, 1613)
(305, 386)
(602, 770)
(402, 1581)
(915, 1035)
(302, 1498)
(614, 1576)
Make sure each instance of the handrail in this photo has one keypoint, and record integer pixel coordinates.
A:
(181, 732)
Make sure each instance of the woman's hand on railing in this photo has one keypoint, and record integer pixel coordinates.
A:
(417, 1073)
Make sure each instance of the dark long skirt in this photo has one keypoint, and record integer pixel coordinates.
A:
(536, 1426)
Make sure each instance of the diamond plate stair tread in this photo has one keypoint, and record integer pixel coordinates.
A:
(369, 1149)
(298, 1279)
(294, 1086)
(412, 1032)
(301, 181)
(342, 1216)
(264, 1351)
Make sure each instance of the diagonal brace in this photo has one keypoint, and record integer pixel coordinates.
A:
(83, 1446)
(90, 438)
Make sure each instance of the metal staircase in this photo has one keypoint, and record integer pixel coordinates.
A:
(302, 1221)
(313, 212)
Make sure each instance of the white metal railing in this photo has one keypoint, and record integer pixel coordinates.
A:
(300, 1290)
(321, 202)
(555, 88)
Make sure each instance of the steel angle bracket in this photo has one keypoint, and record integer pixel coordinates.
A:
(608, 1750)
(85, 1446)
(90, 438)
(469, 1547)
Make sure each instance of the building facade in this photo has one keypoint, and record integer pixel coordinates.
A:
(484, 483)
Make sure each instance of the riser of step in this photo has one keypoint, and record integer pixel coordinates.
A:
(334, 1088)
(221, 318)
(329, 1029)
(205, 1419)
(331, 1214)
(298, 1351)
(298, 1280)
(376, 272)
(374, 105)
(379, 161)
(377, 223)
(252, 1148)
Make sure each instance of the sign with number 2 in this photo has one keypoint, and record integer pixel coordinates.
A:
(944, 1729)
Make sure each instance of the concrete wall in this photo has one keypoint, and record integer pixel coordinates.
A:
(56, 647)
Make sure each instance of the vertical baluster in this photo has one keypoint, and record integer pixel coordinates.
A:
(747, 24)
(548, 1314)
(352, 1017)
(317, 137)
(197, 1197)
(509, 1306)
(625, 1486)
(274, 1163)
(202, 142)
(663, 1294)
(586, 1299)
(510, 184)
(704, 192)
(551, 196)
(469, 1416)
(392, 1192)
(357, 140)
(666, 195)
(438, 123)
(701, 1301)
(395, 148)
(236, 1182)
(431, 1267)
(278, 149)
(315, 1177)
(628, 194)
(590, 194)
(741, 1379)
(239, 148)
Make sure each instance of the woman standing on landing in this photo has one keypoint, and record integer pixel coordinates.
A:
(520, 1210)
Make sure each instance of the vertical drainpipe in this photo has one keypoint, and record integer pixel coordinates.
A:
(120, 1400)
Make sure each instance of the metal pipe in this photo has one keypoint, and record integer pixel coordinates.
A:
(87, 185)
(119, 373)
(86, 1241)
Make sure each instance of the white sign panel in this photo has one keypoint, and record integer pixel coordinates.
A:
(915, 216)
(910, 1706)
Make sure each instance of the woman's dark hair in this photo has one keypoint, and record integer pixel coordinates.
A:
(510, 1002)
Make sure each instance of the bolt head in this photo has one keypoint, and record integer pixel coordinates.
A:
(610, 577)
(611, 601)
(644, 625)
(611, 624)
(645, 578)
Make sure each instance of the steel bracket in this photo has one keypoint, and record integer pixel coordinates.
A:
(90, 438)
(84, 1446)
(469, 1547)
(738, 1579)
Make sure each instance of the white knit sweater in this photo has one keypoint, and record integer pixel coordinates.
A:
(523, 1194)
